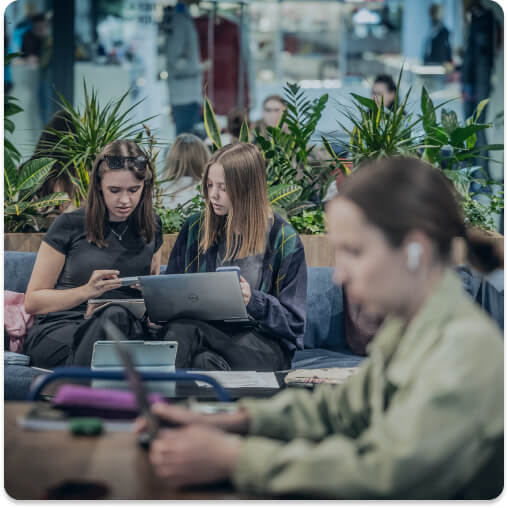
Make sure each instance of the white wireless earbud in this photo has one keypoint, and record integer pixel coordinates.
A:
(414, 253)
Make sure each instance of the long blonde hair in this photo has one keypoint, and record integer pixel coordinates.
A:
(246, 224)
(187, 157)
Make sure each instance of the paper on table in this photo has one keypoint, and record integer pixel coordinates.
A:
(241, 379)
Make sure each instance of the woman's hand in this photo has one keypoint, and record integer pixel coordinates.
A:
(194, 455)
(102, 281)
(246, 292)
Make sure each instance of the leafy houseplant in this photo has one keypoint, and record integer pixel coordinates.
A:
(11, 108)
(21, 212)
(378, 133)
(454, 149)
(173, 218)
(93, 128)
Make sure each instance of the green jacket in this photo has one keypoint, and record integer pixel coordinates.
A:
(423, 417)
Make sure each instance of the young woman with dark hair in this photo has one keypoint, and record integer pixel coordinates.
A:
(85, 252)
(423, 417)
(238, 227)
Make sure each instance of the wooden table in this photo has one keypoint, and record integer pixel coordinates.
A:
(37, 461)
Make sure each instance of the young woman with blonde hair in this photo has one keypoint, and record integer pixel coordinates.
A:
(183, 169)
(84, 252)
(238, 227)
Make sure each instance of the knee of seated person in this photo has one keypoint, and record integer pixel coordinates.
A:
(183, 322)
(116, 313)
(210, 360)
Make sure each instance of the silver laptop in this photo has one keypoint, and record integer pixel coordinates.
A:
(208, 296)
(147, 356)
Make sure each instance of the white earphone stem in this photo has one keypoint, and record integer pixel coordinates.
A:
(414, 253)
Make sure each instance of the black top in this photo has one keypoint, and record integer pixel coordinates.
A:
(131, 255)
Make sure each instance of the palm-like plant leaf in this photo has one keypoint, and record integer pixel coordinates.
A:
(211, 126)
(279, 195)
(244, 136)
(91, 129)
(34, 172)
(10, 179)
(51, 200)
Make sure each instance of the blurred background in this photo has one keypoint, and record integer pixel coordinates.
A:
(246, 51)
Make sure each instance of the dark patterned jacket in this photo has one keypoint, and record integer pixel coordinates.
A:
(280, 305)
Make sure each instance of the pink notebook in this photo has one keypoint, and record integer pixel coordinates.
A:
(77, 400)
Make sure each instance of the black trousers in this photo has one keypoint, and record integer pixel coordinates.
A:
(66, 338)
(202, 345)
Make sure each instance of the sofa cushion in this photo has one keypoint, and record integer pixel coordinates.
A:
(18, 267)
(324, 358)
(17, 381)
(324, 327)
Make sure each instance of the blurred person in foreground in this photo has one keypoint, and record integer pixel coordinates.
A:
(423, 416)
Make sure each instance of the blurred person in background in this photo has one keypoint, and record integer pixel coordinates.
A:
(423, 416)
(384, 88)
(183, 170)
(437, 47)
(185, 71)
(235, 119)
(37, 50)
(273, 107)
(483, 40)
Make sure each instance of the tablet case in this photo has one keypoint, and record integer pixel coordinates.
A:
(148, 356)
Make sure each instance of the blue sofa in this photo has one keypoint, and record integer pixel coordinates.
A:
(325, 343)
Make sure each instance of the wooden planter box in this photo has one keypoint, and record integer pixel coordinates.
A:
(318, 252)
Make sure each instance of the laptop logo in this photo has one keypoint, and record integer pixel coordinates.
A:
(193, 298)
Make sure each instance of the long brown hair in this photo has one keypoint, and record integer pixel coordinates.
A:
(96, 212)
(246, 224)
(400, 194)
(187, 157)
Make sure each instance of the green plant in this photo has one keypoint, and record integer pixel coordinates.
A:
(378, 132)
(480, 215)
(460, 141)
(11, 108)
(94, 127)
(300, 179)
(173, 218)
(287, 146)
(21, 212)
(309, 222)
(454, 148)
(213, 131)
